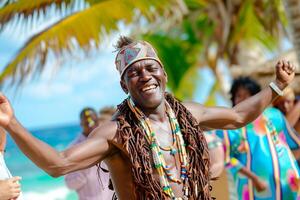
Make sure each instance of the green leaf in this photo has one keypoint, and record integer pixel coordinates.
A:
(81, 30)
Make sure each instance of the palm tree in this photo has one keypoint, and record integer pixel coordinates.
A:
(197, 32)
(214, 31)
(83, 25)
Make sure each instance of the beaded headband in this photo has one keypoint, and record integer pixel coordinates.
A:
(134, 52)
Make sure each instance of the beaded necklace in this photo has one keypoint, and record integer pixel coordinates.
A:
(178, 146)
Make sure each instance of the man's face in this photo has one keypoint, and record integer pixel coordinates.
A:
(145, 81)
(89, 123)
(241, 95)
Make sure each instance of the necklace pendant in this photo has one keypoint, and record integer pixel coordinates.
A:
(173, 151)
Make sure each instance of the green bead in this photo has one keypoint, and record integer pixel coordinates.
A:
(173, 151)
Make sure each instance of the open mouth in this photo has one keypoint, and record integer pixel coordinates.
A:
(149, 88)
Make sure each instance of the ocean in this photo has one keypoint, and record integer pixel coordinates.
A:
(35, 183)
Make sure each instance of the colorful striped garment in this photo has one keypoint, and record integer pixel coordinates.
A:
(264, 147)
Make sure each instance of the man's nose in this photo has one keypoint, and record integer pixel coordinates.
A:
(145, 75)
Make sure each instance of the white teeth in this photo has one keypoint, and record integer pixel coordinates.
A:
(148, 88)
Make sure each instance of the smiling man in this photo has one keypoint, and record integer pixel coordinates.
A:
(154, 146)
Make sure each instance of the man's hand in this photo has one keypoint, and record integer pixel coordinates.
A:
(6, 111)
(10, 188)
(285, 72)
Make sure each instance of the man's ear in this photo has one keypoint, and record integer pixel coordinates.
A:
(123, 86)
(166, 75)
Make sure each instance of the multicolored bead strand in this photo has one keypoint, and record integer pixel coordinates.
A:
(178, 146)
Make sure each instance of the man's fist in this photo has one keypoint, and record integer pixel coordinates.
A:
(285, 72)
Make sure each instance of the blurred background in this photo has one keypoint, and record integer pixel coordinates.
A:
(57, 56)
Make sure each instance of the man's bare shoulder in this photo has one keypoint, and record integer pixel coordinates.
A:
(191, 104)
(196, 109)
(106, 130)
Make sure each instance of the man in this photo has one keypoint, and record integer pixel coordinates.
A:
(258, 155)
(289, 107)
(10, 187)
(86, 182)
(154, 147)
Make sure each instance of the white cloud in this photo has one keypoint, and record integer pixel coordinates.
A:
(91, 94)
(100, 67)
(83, 75)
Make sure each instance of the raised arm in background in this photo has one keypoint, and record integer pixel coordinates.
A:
(246, 111)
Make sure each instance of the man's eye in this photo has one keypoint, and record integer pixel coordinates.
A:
(132, 73)
(152, 68)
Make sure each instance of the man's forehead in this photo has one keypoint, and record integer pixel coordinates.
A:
(143, 62)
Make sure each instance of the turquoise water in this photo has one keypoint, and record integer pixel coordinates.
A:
(36, 184)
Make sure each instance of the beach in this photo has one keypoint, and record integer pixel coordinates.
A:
(36, 184)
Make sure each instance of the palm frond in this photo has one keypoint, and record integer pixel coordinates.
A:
(85, 30)
(26, 9)
(211, 99)
(188, 84)
(249, 27)
(180, 51)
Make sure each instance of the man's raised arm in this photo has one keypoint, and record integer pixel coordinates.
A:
(246, 111)
(55, 163)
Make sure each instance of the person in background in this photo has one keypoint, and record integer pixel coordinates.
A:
(10, 187)
(259, 155)
(106, 113)
(290, 107)
(222, 183)
(90, 183)
(216, 152)
(218, 184)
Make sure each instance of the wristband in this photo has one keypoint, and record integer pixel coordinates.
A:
(276, 89)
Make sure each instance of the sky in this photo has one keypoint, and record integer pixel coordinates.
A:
(56, 99)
